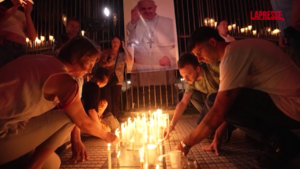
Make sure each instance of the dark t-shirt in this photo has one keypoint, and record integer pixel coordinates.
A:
(90, 96)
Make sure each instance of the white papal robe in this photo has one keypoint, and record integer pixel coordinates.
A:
(151, 40)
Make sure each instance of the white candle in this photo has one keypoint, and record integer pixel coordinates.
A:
(109, 156)
(233, 26)
(254, 32)
(249, 27)
(216, 24)
(229, 27)
(157, 166)
(51, 38)
(242, 30)
(82, 32)
(118, 158)
(42, 38)
(205, 22)
(132, 144)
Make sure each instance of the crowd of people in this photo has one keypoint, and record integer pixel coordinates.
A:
(248, 84)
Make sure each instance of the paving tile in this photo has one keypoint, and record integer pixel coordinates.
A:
(236, 154)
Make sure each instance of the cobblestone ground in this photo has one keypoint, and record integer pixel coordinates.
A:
(239, 153)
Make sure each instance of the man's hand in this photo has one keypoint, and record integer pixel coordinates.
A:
(135, 16)
(168, 130)
(179, 147)
(214, 146)
(164, 61)
(78, 149)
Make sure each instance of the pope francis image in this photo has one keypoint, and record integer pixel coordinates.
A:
(152, 38)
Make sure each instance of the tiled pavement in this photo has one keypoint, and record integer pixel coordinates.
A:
(239, 153)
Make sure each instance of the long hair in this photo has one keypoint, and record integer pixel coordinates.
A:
(120, 48)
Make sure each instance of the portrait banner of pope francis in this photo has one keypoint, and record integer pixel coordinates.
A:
(150, 35)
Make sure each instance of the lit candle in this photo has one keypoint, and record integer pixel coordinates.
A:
(51, 39)
(216, 24)
(42, 38)
(132, 144)
(205, 21)
(246, 30)
(229, 27)
(233, 26)
(242, 30)
(118, 158)
(254, 32)
(151, 148)
(195, 164)
(109, 156)
(141, 159)
(117, 132)
(249, 27)
(82, 32)
(275, 32)
(157, 166)
(27, 41)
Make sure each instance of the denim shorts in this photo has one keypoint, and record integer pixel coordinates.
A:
(10, 50)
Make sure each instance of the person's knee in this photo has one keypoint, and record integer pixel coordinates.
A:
(53, 162)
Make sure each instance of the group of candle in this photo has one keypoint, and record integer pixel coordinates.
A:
(39, 42)
(212, 23)
(144, 134)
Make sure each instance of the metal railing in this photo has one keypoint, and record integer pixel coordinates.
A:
(190, 14)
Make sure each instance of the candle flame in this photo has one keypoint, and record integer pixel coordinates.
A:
(118, 154)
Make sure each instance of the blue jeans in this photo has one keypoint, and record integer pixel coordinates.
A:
(10, 51)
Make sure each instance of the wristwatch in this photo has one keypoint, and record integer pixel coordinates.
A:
(184, 146)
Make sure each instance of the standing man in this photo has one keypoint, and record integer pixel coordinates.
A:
(72, 29)
(290, 26)
(259, 93)
(152, 37)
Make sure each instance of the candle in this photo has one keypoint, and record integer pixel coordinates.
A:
(195, 164)
(157, 166)
(109, 156)
(216, 24)
(242, 30)
(229, 27)
(142, 163)
(118, 158)
(51, 38)
(141, 159)
(151, 148)
(82, 32)
(27, 41)
(246, 30)
(205, 21)
(275, 31)
(233, 26)
(132, 144)
(249, 27)
(118, 135)
(254, 32)
(42, 38)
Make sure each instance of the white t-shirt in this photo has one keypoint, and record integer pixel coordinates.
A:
(261, 65)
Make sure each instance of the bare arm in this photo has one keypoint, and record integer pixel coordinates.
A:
(94, 115)
(30, 29)
(214, 118)
(181, 106)
(66, 88)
